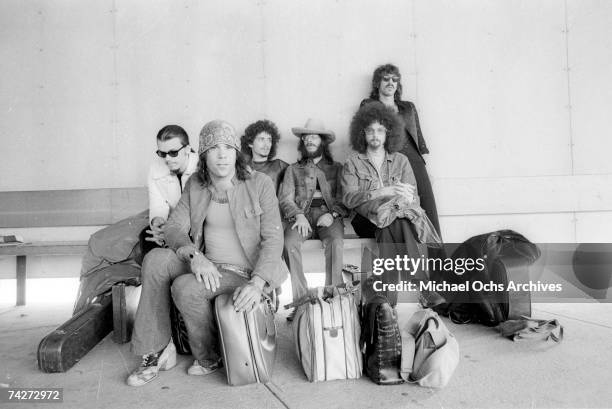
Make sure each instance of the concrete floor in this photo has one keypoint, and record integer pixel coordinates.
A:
(493, 372)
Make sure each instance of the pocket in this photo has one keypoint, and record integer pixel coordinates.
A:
(254, 211)
(365, 180)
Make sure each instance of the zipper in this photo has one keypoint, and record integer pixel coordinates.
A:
(250, 341)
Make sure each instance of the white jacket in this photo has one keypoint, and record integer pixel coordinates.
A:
(164, 187)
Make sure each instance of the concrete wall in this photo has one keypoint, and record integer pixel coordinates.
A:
(513, 96)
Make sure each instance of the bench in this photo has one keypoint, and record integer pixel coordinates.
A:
(32, 210)
(36, 210)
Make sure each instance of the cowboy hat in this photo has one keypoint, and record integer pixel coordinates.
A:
(314, 126)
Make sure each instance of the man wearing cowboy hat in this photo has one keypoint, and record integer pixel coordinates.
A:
(224, 235)
(311, 202)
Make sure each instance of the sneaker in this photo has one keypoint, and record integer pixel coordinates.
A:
(208, 367)
(291, 315)
(151, 364)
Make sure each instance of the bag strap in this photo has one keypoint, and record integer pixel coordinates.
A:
(408, 351)
(531, 328)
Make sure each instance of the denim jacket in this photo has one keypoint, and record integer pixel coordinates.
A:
(298, 187)
(360, 177)
(254, 208)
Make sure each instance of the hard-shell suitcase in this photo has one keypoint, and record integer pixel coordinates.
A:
(327, 333)
(62, 348)
(248, 341)
(125, 304)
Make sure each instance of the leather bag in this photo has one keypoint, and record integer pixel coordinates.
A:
(248, 341)
(381, 342)
(326, 332)
(508, 256)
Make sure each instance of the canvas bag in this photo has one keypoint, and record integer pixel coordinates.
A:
(327, 333)
(430, 353)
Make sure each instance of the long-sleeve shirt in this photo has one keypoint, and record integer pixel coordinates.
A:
(360, 178)
(300, 182)
(254, 208)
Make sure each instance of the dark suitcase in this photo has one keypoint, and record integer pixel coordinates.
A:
(64, 347)
(125, 303)
(248, 341)
(382, 342)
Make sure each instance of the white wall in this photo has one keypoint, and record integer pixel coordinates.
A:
(513, 96)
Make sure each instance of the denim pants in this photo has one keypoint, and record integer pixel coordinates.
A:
(163, 273)
(333, 241)
(397, 239)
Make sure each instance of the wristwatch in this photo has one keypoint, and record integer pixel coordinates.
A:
(335, 215)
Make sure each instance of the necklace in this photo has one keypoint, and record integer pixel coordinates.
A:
(216, 196)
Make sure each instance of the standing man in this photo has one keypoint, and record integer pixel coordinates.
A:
(259, 142)
(311, 202)
(379, 184)
(224, 236)
(387, 90)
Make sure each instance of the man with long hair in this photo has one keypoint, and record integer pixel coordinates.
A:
(387, 90)
(311, 203)
(224, 236)
(259, 143)
(379, 184)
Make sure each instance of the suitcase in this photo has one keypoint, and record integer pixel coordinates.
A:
(248, 341)
(125, 303)
(382, 342)
(64, 347)
(327, 335)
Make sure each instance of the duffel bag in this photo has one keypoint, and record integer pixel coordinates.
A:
(430, 353)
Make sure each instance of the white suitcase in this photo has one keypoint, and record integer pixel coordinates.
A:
(327, 333)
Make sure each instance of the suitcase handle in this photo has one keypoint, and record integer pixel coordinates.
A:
(323, 293)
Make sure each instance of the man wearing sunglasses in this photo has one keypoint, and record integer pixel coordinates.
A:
(168, 174)
(224, 236)
(387, 90)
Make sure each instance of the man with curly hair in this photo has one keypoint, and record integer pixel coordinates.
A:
(259, 142)
(223, 236)
(387, 90)
(311, 203)
(379, 184)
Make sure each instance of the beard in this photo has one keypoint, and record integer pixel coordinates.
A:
(311, 155)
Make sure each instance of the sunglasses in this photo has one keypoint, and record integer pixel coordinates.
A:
(393, 78)
(172, 154)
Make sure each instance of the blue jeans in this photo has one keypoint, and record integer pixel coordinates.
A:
(333, 241)
(162, 271)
